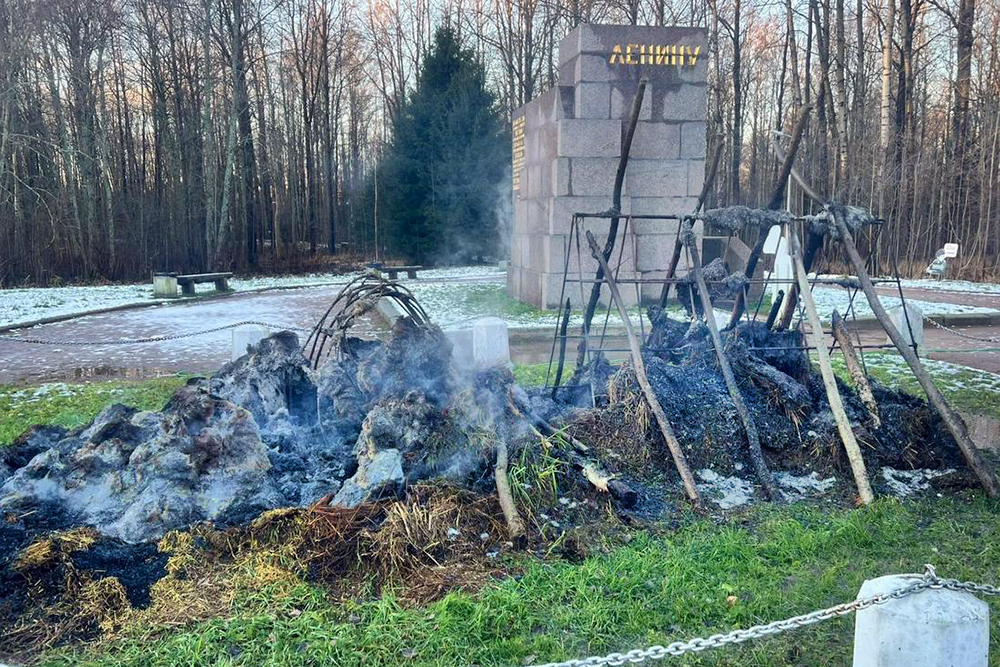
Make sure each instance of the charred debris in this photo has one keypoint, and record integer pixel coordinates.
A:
(344, 449)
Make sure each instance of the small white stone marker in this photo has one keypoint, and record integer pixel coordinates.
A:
(246, 335)
(782, 269)
(490, 344)
(930, 628)
(916, 323)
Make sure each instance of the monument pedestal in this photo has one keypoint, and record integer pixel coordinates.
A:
(567, 144)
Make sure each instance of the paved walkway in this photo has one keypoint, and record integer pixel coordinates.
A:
(200, 354)
(23, 363)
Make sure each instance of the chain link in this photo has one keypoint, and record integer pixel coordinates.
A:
(927, 581)
(150, 339)
(956, 332)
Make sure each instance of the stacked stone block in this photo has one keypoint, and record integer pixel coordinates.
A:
(572, 139)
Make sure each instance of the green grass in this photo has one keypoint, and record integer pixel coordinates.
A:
(73, 405)
(533, 375)
(777, 561)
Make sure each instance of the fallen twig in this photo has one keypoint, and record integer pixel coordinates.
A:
(515, 525)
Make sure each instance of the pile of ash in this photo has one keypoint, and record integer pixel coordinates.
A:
(264, 432)
(785, 398)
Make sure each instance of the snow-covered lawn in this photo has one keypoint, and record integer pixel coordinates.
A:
(830, 298)
(451, 304)
(30, 304)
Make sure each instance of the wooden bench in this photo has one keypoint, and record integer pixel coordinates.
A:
(394, 271)
(188, 282)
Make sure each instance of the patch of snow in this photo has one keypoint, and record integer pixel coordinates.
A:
(903, 483)
(453, 303)
(797, 487)
(726, 492)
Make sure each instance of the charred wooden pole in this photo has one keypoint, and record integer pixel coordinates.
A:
(777, 199)
(680, 462)
(616, 208)
(753, 439)
(775, 307)
(826, 370)
(675, 258)
(951, 419)
(562, 350)
(853, 364)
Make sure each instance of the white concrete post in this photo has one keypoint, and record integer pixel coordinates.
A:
(930, 628)
(245, 336)
(490, 345)
(916, 323)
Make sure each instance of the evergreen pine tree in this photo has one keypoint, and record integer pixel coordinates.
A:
(441, 179)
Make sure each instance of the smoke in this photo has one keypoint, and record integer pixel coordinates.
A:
(504, 213)
(477, 209)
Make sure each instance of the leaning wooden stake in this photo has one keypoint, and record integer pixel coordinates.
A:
(640, 374)
(562, 349)
(753, 439)
(818, 341)
(515, 525)
(951, 419)
(853, 364)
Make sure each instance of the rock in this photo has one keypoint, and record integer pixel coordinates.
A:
(25, 447)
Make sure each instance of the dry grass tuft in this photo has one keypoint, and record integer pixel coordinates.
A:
(54, 548)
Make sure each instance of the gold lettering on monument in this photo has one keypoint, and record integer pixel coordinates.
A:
(655, 54)
(517, 146)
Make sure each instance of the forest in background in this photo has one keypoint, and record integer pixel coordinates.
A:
(143, 135)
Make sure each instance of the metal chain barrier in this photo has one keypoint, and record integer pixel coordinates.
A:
(150, 339)
(636, 656)
(955, 332)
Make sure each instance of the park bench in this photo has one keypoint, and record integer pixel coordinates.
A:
(188, 282)
(165, 284)
(394, 271)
